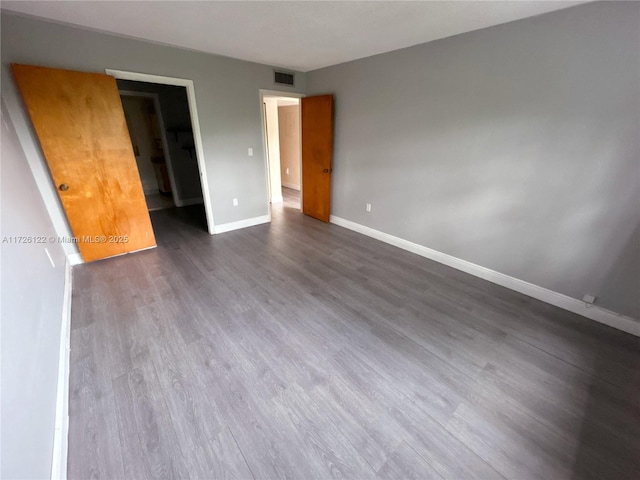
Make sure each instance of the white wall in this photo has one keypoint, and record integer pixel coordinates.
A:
(290, 148)
(226, 90)
(273, 146)
(32, 302)
(514, 148)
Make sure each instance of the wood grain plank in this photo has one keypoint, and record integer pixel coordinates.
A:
(221, 458)
(304, 350)
(405, 463)
(146, 425)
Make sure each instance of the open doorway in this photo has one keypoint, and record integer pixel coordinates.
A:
(283, 149)
(159, 122)
(148, 139)
(176, 126)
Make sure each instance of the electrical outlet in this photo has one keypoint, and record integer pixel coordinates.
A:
(235, 202)
(287, 171)
(250, 151)
(590, 299)
(368, 207)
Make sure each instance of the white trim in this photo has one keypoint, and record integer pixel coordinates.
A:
(189, 201)
(601, 315)
(291, 186)
(61, 432)
(265, 147)
(195, 125)
(249, 222)
(75, 259)
(300, 156)
(278, 93)
(277, 199)
(163, 134)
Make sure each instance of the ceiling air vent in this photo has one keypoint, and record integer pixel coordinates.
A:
(283, 78)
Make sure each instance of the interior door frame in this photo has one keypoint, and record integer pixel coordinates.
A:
(277, 93)
(163, 134)
(195, 125)
(266, 154)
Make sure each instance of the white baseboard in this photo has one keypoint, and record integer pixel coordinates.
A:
(291, 186)
(602, 315)
(75, 259)
(277, 199)
(61, 432)
(249, 222)
(184, 202)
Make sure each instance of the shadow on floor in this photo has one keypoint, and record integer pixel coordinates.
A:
(169, 220)
(610, 431)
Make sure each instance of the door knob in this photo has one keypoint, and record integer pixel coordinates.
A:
(63, 187)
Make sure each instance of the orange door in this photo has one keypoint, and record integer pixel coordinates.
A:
(317, 154)
(79, 121)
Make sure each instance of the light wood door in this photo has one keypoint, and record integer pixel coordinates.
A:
(317, 155)
(80, 123)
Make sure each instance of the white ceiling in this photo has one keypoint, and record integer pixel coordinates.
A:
(302, 35)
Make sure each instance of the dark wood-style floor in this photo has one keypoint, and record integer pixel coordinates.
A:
(303, 350)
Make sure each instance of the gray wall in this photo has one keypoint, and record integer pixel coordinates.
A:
(176, 115)
(514, 147)
(227, 96)
(32, 294)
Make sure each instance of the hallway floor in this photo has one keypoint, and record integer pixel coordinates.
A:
(291, 198)
(157, 201)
